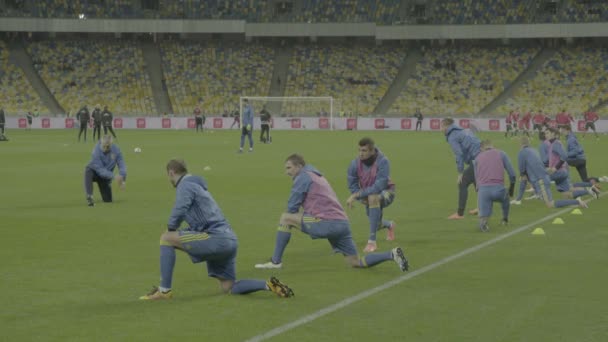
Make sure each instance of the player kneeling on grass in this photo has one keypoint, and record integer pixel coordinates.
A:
(100, 169)
(532, 169)
(559, 173)
(369, 181)
(209, 238)
(322, 218)
(490, 165)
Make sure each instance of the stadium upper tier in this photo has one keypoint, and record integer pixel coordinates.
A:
(574, 79)
(385, 12)
(81, 73)
(214, 74)
(460, 81)
(16, 93)
(357, 78)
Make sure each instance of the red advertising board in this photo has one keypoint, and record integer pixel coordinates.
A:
(464, 123)
(118, 123)
(217, 123)
(46, 123)
(435, 124)
(379, 124)
(323, 123)
(296, 123)
(351, 123)
(191, 123)
(406, 123)
(494, 125)
(581, 125)
(141, 123)
(166, 123)
(22, 123)
(69, 123)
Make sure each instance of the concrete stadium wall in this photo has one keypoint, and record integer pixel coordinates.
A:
(393, 32)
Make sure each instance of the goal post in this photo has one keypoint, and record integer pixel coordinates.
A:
(292, 106)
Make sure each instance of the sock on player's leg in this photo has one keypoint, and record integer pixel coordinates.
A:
(167, 263)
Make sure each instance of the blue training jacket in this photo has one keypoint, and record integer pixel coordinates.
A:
(195, 205)
(381, 182)
(248, 115)
(464, 143)
(575, 150)
(104, 163)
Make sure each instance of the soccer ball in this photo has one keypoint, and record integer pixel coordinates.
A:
(137, 150)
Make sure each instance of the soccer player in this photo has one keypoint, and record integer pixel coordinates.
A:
(419, 118)
(576, 155)
(247, 126)
(30, 118)
(237, 119)
(84, 117)
(590, 119)
(558, 170)
(2, 121)
(198, 119)
(524, 123)
(106, 118)
(465, 146)
(509, 122)
(532, 170)
(208, 237)
(106, 156)
(538, 121)
(322, 218)
(369, 182)
(97, 122)
(490, 165)
(265, 117)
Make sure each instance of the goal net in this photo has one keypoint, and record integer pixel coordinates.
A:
(303, 112)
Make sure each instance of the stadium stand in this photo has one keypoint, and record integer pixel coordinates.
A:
(95, 72)
(575, 79)
(357, 77)
(460, 81)
(482, 11)
(17, 96)
(348, 11)
(579, 11)
(214, 74)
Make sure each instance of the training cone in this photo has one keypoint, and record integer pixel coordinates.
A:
(538, 231)
(576, 212)
(558, 221)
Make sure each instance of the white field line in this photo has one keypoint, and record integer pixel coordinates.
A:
(351, 300)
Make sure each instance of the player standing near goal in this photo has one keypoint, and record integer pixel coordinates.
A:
(247, 129)
(322, 218)
(590, 119)
(265, 117)
(465, 146)
(208, 238)
(369, 182)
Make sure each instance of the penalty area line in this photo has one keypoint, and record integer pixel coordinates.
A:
(363, 295)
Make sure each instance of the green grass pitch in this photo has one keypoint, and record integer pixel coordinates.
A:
(74, 273)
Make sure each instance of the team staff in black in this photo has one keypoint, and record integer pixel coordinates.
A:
(2, 121)
(97, 122)
(199, 119)
(419, 118)
(265, 118)
(106, 119)
(84, 117)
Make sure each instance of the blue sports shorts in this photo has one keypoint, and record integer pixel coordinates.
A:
(486, 197)
(337, 232)
(217, 249)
